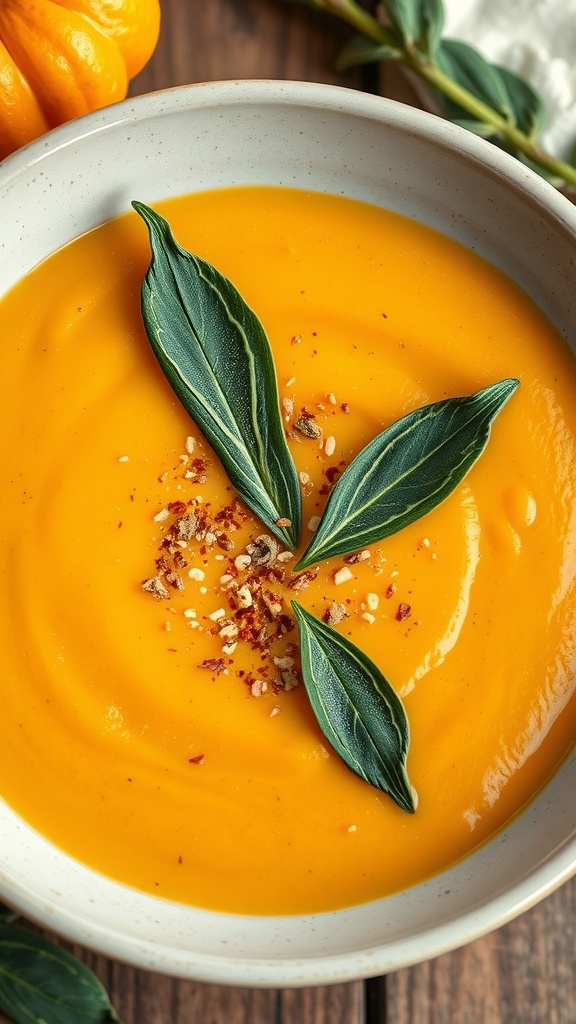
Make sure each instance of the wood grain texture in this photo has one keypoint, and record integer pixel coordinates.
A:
(525, 973)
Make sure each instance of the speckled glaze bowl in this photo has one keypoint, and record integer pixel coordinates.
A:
(335, 140)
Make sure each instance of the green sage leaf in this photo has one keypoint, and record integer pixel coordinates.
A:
(417, 22)
(524, 103)
(43, 984)
(468, 68)
(357, 709)
(405, 472)
(217, 358)
(360, 50)
(507, 93)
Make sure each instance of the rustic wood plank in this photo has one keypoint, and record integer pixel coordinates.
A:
(238, 39)
(335, 1004)
(525, 971)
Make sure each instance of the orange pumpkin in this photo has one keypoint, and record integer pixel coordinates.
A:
(62, 58)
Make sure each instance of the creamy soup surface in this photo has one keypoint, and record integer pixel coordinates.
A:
(166, 738)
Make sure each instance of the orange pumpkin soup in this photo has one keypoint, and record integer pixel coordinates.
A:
(162, 734)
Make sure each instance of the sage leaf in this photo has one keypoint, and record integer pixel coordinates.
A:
(524, 103)
(360, 50)
(357, 709)
(217, 358)
(405, 472)
(43, 984)
(417, 22)
(511, 96)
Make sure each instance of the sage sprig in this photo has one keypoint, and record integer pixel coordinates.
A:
(357, 709)
(485, 98)
(215, 354)
(405, 472)
(40, 983)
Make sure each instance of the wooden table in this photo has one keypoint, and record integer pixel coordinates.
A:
(525, 973)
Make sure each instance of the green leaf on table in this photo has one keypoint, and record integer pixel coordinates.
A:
(217, 358)
(417, 22)
(357, 709)
(405, 472)
(43, 984)
(360, 50)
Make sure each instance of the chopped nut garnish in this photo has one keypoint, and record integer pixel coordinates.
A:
(288, 407)
(244, 597)
(218, 614)
(229, 631)
(258, 687)
(330, 445)
(302, 580)
(289, 679)
(273, 603)
(284, 663)
(372, 600)
(304, 478)
(307, 427)
(283, 522)
(342, 575)
(190, 444)
(198, 759)
(155, 587)
(185, 526)
(403, 611)
(336, 613)
(161, 515)
(263, 550)
(285, 556)
(368, 617)
(275, 710)
(390, 590)
(196, 574)
(314, 523)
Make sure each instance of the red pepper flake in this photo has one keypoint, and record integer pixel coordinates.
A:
(332, 472)
(177, 508)
(212, 664)
(403, 611)
(198, 759)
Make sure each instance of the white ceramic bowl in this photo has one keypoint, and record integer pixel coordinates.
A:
(335, 140)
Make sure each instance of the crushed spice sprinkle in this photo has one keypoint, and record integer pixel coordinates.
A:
(251, 610)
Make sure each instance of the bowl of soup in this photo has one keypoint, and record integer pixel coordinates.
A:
(169, 795)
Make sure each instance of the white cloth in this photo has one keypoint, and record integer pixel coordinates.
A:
(535, 38)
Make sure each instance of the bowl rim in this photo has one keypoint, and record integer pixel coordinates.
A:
(561, 864)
